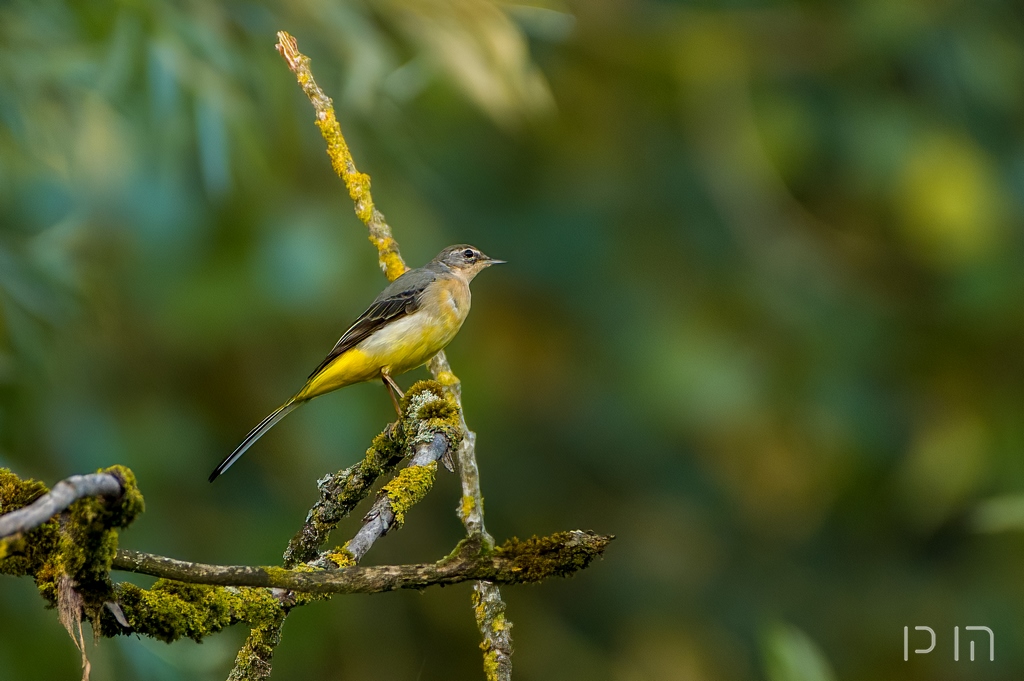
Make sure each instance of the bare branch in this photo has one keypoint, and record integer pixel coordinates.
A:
(63, 494)
(515, 562)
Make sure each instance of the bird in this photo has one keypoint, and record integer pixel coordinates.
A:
(411, 320)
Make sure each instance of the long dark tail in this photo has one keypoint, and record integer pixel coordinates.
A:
(254, 434)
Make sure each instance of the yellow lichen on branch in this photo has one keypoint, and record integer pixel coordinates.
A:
(357, 183)
(408, 488)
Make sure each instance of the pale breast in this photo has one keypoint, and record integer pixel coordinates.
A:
(408, 342)
(448, 298)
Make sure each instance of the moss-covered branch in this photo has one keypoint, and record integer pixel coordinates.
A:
(341, 492)
(439, 433)
(172, 609)
(57, 500)
(69, 554)
(74, 549)
(255, 658)
(193, 600)
(514, 562)
(428, 431)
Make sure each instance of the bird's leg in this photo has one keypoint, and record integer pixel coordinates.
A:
(393, 390)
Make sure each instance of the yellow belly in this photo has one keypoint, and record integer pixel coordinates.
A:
(400, 346)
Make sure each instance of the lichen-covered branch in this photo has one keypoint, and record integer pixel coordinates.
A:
(438, 417)
(193, 600)
(489, 611)
(471, 510)
(429, 430)
(340, 493)
(255, 658)
(488, 607)
(407, 489)
(63, 494)
(429, 416)
(514, 562)
(357, 183)
(69, 555)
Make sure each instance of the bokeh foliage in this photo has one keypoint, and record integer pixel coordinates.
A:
(763, 318)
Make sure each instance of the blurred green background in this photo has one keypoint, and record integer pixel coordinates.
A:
(763, 320)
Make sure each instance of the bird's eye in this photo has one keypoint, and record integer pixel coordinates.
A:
(468, 253)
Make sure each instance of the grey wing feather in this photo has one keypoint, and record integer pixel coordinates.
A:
(400, 298)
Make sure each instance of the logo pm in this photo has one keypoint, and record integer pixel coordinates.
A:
(956, 642)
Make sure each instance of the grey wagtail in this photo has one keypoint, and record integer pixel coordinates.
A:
(412, 320)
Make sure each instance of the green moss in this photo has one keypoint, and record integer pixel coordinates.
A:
(444, 409)
(130, 504)
(408, 488)
(23, 555)
(172, 610)
(415, 392)
(254, 658)
(16, 493)
(385, 449)
(79, 545)
(470, 545)
(535, 559)
(429, 410)
(87, 542)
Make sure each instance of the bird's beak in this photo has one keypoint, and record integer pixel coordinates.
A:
(493, 261)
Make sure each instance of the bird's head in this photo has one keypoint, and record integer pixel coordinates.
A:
(465, 260)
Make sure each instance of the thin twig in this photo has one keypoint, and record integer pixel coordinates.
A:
(489, 610)
(471, 510)
(516, 562)
(357, 183)
(488, 606)
(63, 494)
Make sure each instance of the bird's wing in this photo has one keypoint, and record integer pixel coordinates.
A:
(400, 298)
